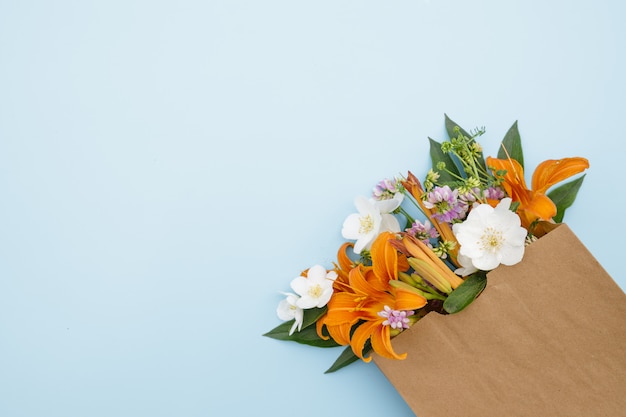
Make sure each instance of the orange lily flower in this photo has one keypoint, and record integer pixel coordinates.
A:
(367, 294)
(534, 204)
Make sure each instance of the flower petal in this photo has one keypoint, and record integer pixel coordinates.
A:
(300, 285)
(553, 171)
(486, 261)
(316, 273)
(541, 206)
(384, 257)
(389, 223)
(389, 205)
(510, 255)
(408, 300)
(361, 335)
(381, 344)
(351, 226)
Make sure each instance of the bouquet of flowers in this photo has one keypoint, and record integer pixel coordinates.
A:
(418, 247)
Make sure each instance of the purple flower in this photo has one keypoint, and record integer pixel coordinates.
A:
(397, 319)
(386, 189)
(446, 203)
(423, 231)
(494, 193)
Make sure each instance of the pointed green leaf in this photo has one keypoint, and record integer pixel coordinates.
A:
(465, 293)
(513, 144)
(436, 156)
(450, 125)
(306, 336)
(346, 358)
(564, 196)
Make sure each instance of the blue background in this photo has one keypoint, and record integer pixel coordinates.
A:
(166, 169)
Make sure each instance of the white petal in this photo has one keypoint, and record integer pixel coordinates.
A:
(306, 302)
(299, 318)
(325, 297)
(331, 275)
(516, 235)
(467, 267)
(316, 273)
(511, 254)
(300, 285)
(285, 310)
(389, 205)
(364, 242)
(364, 206)
(351, 226)
(293, 327)
(504, 205)
(486, 262)
(389, 223)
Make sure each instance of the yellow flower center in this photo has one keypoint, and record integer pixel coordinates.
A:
(491, 239)
(315, 291)
(367, 224)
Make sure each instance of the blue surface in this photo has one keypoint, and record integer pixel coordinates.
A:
(166, 168)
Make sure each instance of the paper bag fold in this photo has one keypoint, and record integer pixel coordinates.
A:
(546, 338)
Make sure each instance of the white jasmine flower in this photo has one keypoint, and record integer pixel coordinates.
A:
(315, 289)
(491, 236)
(288, 310)
(373, 217)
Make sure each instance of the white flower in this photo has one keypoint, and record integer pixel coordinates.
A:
(288, 310)
(315, 289)
(373, 218)
(491, 236)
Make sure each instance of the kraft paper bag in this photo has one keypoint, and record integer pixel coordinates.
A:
(547, 337)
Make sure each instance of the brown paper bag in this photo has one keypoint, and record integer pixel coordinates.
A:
(547, 337)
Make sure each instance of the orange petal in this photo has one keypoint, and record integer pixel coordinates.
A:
(553, 171)
(384, 257)
(541, 206)
(413, 186)
(344, 260)
(339, 333)
(360, 337)
(345, 265)
(341, 309)
(514, 171)
(408, 300)
(381, 344)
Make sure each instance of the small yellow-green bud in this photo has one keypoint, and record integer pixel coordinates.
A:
(432, 175)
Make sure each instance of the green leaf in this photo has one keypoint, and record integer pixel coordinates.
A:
(437, 155)
(312, 315)
(306, 336)
(564, 196)
(512, 142)
(465, 293)
(450, 125)
(346, 358)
